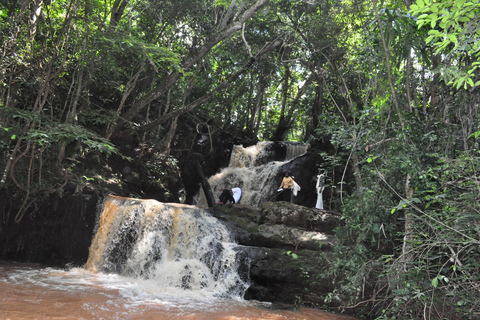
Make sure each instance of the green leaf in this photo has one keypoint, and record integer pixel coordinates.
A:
(459, 3)
(452, 38)
(293, 255)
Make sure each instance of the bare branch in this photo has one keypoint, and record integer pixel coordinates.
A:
(175, 113)
(193, 57)
(245, 41)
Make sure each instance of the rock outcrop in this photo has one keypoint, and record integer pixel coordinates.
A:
(283, 243)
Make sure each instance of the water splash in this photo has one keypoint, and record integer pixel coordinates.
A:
(174, 246)
(264, 152)
(258, 169)
(36, 292)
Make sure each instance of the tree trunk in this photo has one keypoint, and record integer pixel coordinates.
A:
(316, 109)
(244, 116)
(167, 141)
(116, 14)
(356, 169)
(408, 235)
(205, 185)
(283, 123)
(387, 63)
(256, 109)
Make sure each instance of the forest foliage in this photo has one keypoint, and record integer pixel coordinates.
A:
(389, 88)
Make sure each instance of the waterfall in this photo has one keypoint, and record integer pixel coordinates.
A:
(295, 150)
(257, 168)
(175, 246)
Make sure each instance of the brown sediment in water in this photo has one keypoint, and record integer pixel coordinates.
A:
(30, 292)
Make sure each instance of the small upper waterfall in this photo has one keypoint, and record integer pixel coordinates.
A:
(175, 246)
(257, 168)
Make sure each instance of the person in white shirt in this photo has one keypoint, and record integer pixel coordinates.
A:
(233, 195)
(237, 193)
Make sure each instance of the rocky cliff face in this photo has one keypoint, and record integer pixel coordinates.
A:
(59, 232)
(285, 246)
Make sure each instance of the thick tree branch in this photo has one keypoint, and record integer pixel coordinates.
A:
(193, 57)
(175, 113)
(117, 13)
(228, 14)
(245, 41)
(204, 182)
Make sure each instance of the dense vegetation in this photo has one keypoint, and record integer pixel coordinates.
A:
(391, 89)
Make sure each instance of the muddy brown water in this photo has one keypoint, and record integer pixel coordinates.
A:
(37, 292)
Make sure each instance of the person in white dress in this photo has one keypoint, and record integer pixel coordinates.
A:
(320, 187)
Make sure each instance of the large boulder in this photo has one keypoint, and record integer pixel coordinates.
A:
(282, 243)
(280, 225)
(281, 236)
(281, 276)
(304, 169)
(299, 216)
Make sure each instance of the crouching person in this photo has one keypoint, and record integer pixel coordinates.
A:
(230, 195)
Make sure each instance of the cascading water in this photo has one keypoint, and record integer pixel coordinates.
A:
(257, 168)
(180, 247)
(148, 260)
(176, 247)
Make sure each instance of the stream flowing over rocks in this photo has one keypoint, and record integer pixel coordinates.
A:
(278, 243)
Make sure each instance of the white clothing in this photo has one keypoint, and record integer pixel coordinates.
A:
(237, 193)
(320, 187)
(295, 188)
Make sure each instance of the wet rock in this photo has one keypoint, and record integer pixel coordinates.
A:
(50, 236)
(284, 274)
(282, 242)
(280, 225)
(299, 216)
(295, 238)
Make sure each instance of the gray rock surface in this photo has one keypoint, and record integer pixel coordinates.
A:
(285, 245)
